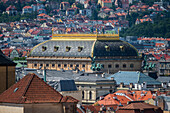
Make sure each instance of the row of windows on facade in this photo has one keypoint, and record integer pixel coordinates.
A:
(77, 65)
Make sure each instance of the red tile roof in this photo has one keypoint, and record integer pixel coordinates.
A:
(32, 89)
(27, 7)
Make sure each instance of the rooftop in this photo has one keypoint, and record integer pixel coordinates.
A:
(32, 89)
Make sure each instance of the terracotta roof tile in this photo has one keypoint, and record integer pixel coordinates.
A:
(32, 89)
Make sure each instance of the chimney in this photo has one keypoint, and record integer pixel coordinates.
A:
(121, 85)
(103, 75)
(112, 78)
(44, 74)
(131, 85)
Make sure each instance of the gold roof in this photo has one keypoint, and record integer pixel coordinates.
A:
(85, 36)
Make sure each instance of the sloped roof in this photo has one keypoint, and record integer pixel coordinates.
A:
(5, 61)
(32, 89)
(134, 77)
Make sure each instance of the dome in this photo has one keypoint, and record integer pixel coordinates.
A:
(84, 48)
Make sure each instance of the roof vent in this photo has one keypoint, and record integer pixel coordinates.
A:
(15, 90)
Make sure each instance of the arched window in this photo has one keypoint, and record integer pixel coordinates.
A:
(82, 94)
(124, 65)
(131, 65)
(90, 95)
(117, 65)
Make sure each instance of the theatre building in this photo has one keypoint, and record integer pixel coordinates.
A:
(70, 51)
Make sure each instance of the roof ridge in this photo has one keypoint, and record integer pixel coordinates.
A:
(31, 78)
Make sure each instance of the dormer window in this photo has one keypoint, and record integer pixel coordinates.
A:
(56, 48)
(80, 49)
(68, 48)
(44, 48)
(107, 48)
(122, 48)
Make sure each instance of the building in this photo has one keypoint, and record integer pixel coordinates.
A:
(27, 9)
(164, 103)
(122, 97)
(32, 95)
(7, 70)
(164, 67)
(105, 3)
(90, 86)
(64, 5)
(82, 51)
(11, 10)
(134, 80)
(139, 107)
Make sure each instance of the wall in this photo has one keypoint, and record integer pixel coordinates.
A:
(43, 108)
(75, 94)
(7, 77)
(11, 108)
(87, 62)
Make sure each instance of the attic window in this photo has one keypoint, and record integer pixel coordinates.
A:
(15, 90)
(56, 48)
(44, 48)
(68, 48)
(80, 49)
(122, 48)
(107, 48)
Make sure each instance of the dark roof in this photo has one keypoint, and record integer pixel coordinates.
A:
(5, 61)
(163, 79)
(63, 85)
(98, 48)
(114, 45)
(134, 77)
(54, 75)
(32, 89)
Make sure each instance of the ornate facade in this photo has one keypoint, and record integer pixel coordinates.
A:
(70, 51)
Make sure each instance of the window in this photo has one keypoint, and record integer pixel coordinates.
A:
(77, 65)
(117, 65)
(47, 65)
(59, 65)
(109, 66)
(83, 65)
(71, 65)
(107, 48)
(41, 65)
(131, 65)
(80, 49)
(122, 48)
(124, 65)
(65, 65)
(82, 94)
(68, 48)
(90, 95)
(53, 65)
(44, 48)
(56, 48)
(35, 65)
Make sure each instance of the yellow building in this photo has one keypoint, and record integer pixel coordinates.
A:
(71, 51)
(7, 72)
